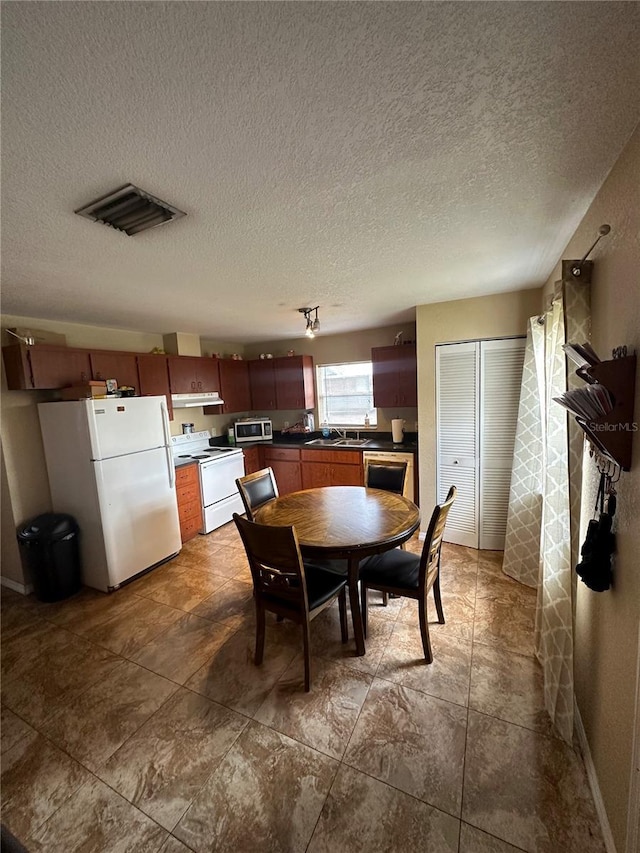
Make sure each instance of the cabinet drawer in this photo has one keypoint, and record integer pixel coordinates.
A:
(190, 528)
(189, 509)
(283, 454)
(188, 492)
(333, 457)
(186, 474)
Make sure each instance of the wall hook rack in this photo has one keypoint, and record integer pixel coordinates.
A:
(611, 435)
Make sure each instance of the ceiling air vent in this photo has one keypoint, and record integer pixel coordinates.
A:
(131, 210)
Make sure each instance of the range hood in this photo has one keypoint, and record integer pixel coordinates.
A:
(185, 401)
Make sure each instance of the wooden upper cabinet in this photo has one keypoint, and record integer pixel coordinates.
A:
(395, 376)
(262, 382)
(120, 366)
(45, 366)
(294, 382)
(234, 386)
(193, 374)
(153, 371)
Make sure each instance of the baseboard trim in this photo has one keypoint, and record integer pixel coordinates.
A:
(23, 589)
(593, 781)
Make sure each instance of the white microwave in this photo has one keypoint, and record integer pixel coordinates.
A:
(253, 429)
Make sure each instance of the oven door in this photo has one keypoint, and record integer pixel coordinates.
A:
(218, 479)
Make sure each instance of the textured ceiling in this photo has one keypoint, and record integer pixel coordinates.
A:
(366, 157)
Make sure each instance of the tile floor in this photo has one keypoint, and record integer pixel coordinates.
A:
(138, 722)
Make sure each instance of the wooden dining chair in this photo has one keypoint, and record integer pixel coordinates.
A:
(284, 585)
(390, 477)
(257, 489)
(409, 575)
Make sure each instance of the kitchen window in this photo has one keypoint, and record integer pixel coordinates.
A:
(345, 394)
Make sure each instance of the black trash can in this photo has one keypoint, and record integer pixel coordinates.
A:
(49, 546)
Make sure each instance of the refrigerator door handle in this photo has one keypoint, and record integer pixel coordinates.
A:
(167, 441)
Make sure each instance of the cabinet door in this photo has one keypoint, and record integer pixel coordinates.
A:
(153, 373)
(385, 387)
(316, 474)
(262, 382)
(252, 459)
(183, 374)
(395, 376)
(117, 365)
(294, 382)
(407, 375)
(234, 385)
(207, 375)
(17, 367)
(287, 475)
(57, 367)
(347, 475)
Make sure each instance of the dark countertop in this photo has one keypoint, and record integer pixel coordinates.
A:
(382, 441)
(377, 441)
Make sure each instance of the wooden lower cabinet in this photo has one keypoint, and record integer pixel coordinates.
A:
(331, 468)
(285, 462)
(252, 459)
(189, 501)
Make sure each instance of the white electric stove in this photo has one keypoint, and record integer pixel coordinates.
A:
(218, 467)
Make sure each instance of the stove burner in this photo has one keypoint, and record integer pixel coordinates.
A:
(200, 456)
(184, 456)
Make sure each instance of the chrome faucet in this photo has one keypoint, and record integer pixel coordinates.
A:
(342, 433)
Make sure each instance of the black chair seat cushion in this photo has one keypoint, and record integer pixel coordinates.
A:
(337, 567)
(321, 585)
(396, 568)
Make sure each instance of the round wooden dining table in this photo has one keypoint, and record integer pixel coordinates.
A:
(344, 522)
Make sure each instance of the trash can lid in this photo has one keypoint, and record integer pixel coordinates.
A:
(49, 525)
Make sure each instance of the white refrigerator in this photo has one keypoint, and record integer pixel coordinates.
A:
(110, 465)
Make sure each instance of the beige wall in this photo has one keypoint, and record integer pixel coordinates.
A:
(607, 623)
(9, 554)
(498, 316)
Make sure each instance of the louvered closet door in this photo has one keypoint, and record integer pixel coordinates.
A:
(457, 438)
(500, 380)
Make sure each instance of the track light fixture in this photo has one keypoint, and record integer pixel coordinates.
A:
(313, 326)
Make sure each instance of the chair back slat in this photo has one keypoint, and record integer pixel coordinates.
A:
(275, 562)
(433, 539)
(257, 489)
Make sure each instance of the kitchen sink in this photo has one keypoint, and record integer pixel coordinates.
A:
(338, 442)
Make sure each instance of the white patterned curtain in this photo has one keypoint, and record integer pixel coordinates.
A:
(545, 494)
(554, 613)
(524, 520)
